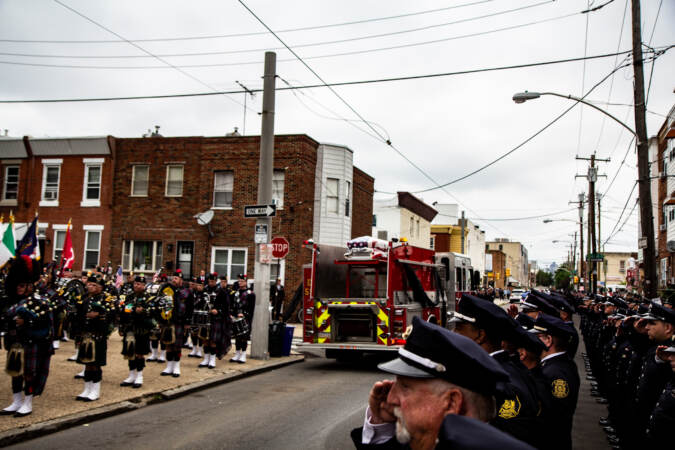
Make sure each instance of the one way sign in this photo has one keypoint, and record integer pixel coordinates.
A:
(253, 211)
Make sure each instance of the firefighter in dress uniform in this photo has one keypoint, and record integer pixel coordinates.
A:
(93, 315)
(136, 324)
(28, 339)
(662, 419)
(174, 322)
(243, 304)
(219, 338)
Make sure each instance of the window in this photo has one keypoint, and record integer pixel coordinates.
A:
(11, 188)
(92, 247)
(412, 228)
(622, 266)
(277, 269)
(59, 240)
(332, 190)
(223, 184)
(348, 197)
(139, 181)
(142, 255)
(278, 188)
(228, 261)
(418, 227)
(432, 242)
(174, 181)
(51, 173)
(671, 214)
(382, 234)
(91, 192)
(374, 220)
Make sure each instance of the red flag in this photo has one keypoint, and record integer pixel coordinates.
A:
(67, 255)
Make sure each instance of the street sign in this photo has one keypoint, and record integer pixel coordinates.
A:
(261, 233)
(642, 242)
(265, 253)
(253, 211)
(280, 247)
(599, 257)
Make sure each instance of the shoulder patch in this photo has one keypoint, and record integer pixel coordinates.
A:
(510, 408)
(560, 388)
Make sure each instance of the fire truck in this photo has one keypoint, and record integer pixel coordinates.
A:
(363, 298)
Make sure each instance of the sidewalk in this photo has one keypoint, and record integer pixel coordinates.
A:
(57, 407)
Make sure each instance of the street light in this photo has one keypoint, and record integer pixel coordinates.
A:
(522, 97)
(560, 220)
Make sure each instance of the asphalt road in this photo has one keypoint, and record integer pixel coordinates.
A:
(310, 405)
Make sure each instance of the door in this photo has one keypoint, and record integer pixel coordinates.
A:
(184, 254)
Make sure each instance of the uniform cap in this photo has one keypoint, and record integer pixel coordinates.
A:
(139, 279)
(483, 314)
(529, 341)
(552, 325)
(659, 312)
(435, 352)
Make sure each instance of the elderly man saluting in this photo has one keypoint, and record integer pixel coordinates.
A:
(442, 397)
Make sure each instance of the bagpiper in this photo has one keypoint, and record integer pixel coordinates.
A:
(200, 301)
(219, 338)
(93, 315)
(243, 304)
(136, 324)
(173, 324)
(29, 337)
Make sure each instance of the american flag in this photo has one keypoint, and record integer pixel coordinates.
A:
(119, 278)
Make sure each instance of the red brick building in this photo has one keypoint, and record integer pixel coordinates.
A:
(60, 179)
(161, 183)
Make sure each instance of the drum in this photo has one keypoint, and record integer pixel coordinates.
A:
(239, 327)
(200, 318)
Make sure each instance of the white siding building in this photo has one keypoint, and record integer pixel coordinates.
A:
(403, 216)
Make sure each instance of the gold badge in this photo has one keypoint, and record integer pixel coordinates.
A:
(560, 388)
(510, 408)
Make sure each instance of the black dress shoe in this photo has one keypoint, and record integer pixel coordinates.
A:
(610, 430)
(602, 401)
(18, 414)
(125, 384)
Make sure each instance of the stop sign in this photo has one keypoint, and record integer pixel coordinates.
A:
(280, 247)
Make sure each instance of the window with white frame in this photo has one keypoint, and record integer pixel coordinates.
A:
(174, 181)
(223, 186)
(332, 195)
(141, 256)
(278, 188)
(92, 249)
(59, 240)
(228, 261)
(91, 192)
(10, 189)
(348, 197)
(139, 180)
(51, 174)
(277, 269)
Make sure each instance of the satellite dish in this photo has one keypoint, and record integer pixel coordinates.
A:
(205, 217)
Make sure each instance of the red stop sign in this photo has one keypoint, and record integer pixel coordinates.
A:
(280, 247)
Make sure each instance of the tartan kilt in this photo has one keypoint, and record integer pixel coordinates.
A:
(220, 336)
(142, 343)
(101, 349)
(36, 365)
(180, 335)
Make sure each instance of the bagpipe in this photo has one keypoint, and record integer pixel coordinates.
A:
(30, 312)
(201, 315)
(161, 300)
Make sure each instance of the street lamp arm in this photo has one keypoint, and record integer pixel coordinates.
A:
(581, 100)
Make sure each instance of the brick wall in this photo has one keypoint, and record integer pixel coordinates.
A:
(362, 216)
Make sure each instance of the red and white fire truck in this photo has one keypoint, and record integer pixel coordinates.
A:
(363, 298)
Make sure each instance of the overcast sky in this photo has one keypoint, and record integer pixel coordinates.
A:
(447, 126)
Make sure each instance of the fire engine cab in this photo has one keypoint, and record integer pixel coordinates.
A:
(363, 298)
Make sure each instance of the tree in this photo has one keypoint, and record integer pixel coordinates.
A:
(544, 278)
(562, 278)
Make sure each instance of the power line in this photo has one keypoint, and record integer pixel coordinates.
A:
(651, 72)
(332, 55)
(630, 143)
(611, 233)
(311, 44)
(312, 86)
(192, 77)
(508, 219)
(220, 36)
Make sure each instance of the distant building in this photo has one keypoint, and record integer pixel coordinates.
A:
(517, 268)
(662, 154)
(448, 238)
(403, 216)
(614, 270)
(495, 268)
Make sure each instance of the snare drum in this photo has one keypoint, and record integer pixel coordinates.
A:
(200, 318)
(240, 327)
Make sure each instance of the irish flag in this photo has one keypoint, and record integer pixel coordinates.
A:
(7, 249)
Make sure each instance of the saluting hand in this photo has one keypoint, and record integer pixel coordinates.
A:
(381, 410)
(92, 314)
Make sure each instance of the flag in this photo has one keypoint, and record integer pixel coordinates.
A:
(67, 255)
(29, 245)
(155, 277)
(119, 279)
(7, 250)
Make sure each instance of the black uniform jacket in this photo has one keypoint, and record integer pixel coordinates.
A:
(562, 378)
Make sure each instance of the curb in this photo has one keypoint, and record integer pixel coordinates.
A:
(36, 430)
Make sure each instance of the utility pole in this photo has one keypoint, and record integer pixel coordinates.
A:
(592, 177)
(580, 202)
(644, 185)
(252, 94)
(261, 316)
(463, 226)
(601, 246)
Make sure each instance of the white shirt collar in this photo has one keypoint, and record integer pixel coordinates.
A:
(552, 356)
(496, 352)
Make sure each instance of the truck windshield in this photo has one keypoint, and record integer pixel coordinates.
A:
(366, 282)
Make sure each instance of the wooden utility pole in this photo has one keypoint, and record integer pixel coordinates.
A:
(582, 273)
(644, 185)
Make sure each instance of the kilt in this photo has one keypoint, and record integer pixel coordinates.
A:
(101, 351)
(178, 343)
(142, 343)
(36, 366)
(220, 336)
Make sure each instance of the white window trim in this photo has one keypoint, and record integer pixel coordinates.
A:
(57, 230)
(221, 208)
(166, 181)
(60, 227)
(282, 270)
(130, 267)
(91, 162)
(45, 164)
(93, 227)
(133, 177)
(213, 259)
(10, 201)
(283, 192)
(337, 194)
(86, 239)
